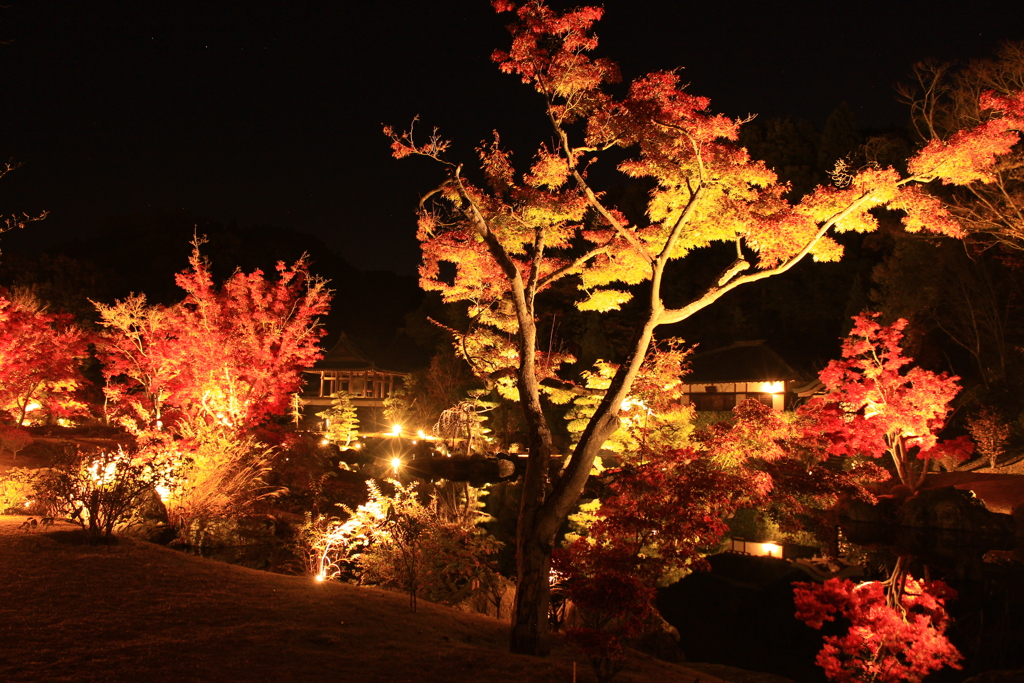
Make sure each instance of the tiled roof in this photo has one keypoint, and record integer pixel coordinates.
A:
(345, 355)
(749, 361)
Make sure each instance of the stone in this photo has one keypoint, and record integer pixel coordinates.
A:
(952, 509)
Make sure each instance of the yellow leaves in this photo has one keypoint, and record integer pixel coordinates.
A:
(603, 300)
(558, 395)
(549, 209)
(550, 170)
(882, 183)
(623, 264)
(496, 165)
(600, 377)
(827, 250)
(507, 389)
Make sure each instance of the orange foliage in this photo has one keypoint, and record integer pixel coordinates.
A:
(500, 242)
(228, 355)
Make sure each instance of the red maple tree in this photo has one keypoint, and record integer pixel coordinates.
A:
(660, 518)
(877, 404)
(229, 355)
(896, 628)
(510, 236)
(40, 354)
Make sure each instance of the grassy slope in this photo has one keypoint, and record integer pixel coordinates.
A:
(140, 612)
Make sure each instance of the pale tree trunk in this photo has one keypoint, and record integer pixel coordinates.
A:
(544, 508)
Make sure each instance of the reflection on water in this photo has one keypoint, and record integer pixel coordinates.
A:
(742, 614)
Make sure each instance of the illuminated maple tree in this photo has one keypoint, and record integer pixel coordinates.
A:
(502, 242)
(877, 404)
(658, 520)
(39, 358)
(229, 355)
(896, 627)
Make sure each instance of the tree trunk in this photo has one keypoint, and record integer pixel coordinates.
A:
(530, 628)
(543, 510)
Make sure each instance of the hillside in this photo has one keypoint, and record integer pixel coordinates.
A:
(137, 611)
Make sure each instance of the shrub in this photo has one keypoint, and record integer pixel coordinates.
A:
(340, 420)
(101, 491)
(211, 472)
(414, 542)
(990, 433)
(17, 490)
(14, 439)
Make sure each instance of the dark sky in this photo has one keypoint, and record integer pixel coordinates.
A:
(269, 113)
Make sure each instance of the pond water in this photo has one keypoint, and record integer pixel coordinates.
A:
(741, 613)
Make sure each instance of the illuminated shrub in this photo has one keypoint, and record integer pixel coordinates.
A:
(990, 433)
(427, 545)
(14, 439)
(210, 472)
(101, 491)
(342, 423)
(17, 491)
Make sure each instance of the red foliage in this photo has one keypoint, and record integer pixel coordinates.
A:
(897, 627)
(39, 357)
(668, 513)
(231, 355)
(876, 404)
(970, 155)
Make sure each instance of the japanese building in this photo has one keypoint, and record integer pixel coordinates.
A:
(722, 378)
(346, 368)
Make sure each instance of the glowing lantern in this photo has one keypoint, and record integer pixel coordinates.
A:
(773, 387)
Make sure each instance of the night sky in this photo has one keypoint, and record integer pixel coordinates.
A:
(269, 113)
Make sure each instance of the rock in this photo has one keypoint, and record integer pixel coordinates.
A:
(661, 640)
(153, 532)
(151, 508)
(952, 509)
(152, 524)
